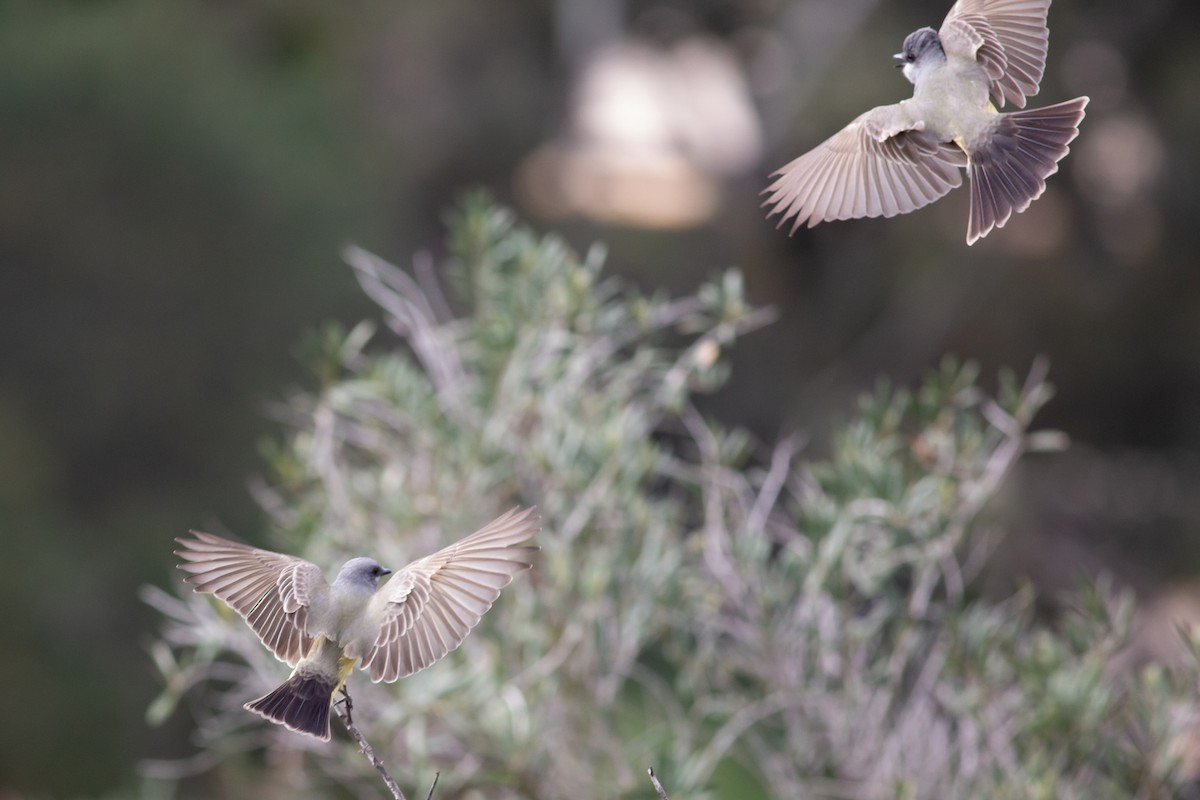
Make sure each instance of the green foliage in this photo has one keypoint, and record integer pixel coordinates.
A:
(747, 625)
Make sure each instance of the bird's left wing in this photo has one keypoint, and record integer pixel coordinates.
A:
(429, 607)
(273, 592)
(1008, 38)
(881, 164)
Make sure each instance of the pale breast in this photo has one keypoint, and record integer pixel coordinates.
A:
(953, 101)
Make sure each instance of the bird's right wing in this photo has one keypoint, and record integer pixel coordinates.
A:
(1008, 38)
(429, 607)
(881, 164)
(271, 591)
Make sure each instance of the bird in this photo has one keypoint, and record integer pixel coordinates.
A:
(322, 630)
(897, 158)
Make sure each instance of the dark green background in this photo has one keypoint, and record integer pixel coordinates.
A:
(176, 182)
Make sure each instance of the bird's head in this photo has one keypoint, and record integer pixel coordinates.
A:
(361, 573)
(922, 51)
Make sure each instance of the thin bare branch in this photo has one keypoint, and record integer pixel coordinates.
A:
(662, 794)
(343, 711)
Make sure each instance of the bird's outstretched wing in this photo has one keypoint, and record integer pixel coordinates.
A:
(881, 164)
(429, 607)
(1007, 37)
(273, 592)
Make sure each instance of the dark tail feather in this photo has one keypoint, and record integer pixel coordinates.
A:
(301, 704)
(1010, 173)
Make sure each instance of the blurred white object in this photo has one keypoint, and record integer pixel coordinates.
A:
(652, 133)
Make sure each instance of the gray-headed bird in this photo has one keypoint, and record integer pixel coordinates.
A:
(320, 629)
(894, 159)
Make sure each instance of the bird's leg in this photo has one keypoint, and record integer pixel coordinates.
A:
(345, 701)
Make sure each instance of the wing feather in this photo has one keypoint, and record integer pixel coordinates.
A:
(429, 607)
(881, 164)
(1008, 38)
(271, 591)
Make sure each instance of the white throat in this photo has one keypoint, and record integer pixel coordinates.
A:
(920, 69)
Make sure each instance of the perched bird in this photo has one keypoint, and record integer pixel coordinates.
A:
(322, 629)
(897, 158)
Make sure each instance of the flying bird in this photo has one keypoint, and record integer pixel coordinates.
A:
(897, 158)
(391, 630)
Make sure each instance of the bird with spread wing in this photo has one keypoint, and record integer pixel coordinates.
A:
(322, 630)
(897, 158)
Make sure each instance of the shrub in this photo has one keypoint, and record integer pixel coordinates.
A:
(747, 622)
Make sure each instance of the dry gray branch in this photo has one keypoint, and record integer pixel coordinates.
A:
(343, 711)
(662, 795)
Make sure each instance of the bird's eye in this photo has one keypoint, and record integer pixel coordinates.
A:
(910, 57)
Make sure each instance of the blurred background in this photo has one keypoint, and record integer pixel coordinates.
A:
(177, 181)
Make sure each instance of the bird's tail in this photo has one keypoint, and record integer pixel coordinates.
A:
(301, 704)
(1010, 172)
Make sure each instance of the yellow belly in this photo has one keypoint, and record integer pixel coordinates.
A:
(345, 666)
(325, 658)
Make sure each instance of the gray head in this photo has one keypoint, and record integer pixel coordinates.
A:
(361, 573)
(922, 50)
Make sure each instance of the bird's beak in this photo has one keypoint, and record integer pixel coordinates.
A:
(386, 571)
(899, 57)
